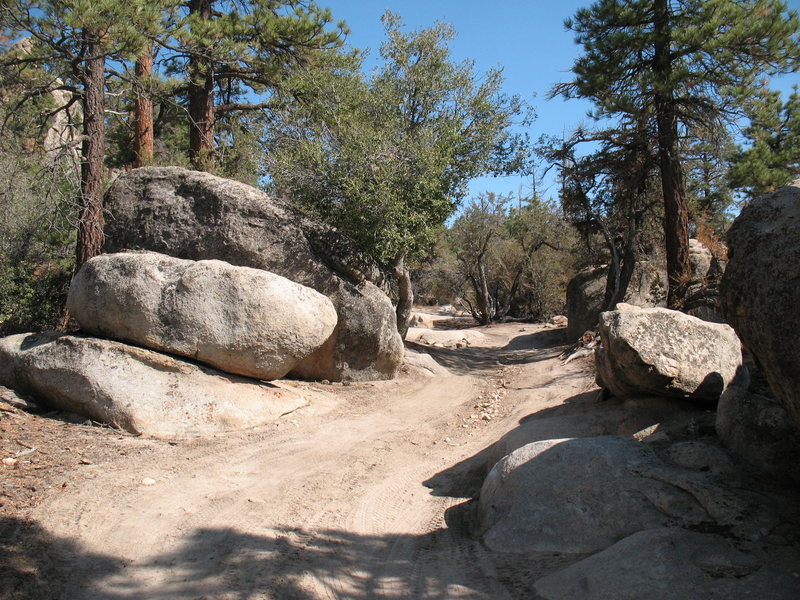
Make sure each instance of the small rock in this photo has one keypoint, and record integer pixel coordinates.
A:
(10, 462)
(148, 481)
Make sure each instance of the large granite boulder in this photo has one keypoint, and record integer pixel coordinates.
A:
(666, 353)
(761, 288)
(575, 495)
(241, 320)
(670, 564)
(760, 432)
(197, 216)
(585, 293)
(582, 495)
(138, 390)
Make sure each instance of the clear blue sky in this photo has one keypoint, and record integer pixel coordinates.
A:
(525, 37)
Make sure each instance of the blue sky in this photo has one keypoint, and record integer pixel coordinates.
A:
(525, 37)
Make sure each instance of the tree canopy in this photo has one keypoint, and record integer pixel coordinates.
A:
(387, 158)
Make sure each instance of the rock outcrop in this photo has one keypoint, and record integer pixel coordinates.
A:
(761, 288)
(669, 564)
(760, 432)
(237, 319)
(135, 389)
(582, 495)
(197, 216)
(666, 353)
(586, 290)
(574, 496)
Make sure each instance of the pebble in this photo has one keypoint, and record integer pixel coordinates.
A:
(148, 481)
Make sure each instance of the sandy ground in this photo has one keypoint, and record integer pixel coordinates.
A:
(363, 494)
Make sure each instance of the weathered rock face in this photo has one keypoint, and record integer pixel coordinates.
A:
(760, 431)
(761, 288)
(702, 294)
(572, 495)
(584, 494)
(586, 290)
(241, 320)
(669, 564)
(666, 353)
(138, 390)
(640, 418)
(193, 215)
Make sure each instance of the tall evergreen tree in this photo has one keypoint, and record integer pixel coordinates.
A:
(73, 40)
(232, 50)
(685, 62)
(772, 156)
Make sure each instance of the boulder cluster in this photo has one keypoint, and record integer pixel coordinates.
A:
(208, 288)
(669, 510)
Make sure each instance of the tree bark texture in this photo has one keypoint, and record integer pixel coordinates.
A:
(90, 226)
(201, 98)
(143, 141)
(405, 294)
(676, 211)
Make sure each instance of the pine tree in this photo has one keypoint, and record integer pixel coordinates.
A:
(772, 157)
(73, 40)
(686, 62)
(231, 51)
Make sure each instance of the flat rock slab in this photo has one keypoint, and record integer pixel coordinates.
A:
(669, 564)
(138, 390)
(666, 353)
(238, 319)
(445, 338)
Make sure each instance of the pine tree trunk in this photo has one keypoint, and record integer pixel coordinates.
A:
(676, 211)
(143, 141)
(201, 98)
(405, 292)
(90, 226)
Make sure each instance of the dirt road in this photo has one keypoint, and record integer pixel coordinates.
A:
(362, 494)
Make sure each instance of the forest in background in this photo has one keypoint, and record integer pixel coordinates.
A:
(684, 128)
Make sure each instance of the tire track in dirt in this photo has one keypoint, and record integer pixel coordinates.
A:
(329, 505)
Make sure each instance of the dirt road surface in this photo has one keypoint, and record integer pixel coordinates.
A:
(362, 494)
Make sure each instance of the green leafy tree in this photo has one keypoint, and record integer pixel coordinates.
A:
(387, 158)
(683, 63)
(772, 156)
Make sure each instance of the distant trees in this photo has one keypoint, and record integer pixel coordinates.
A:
(514, 260)
(387, 158)
(681, 64)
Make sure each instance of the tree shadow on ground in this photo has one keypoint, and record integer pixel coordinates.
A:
(522, 349)
(580, 415)
(37, 565)
(283, 563)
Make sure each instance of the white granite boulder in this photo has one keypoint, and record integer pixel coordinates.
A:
(237, 319)
(198, 216)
